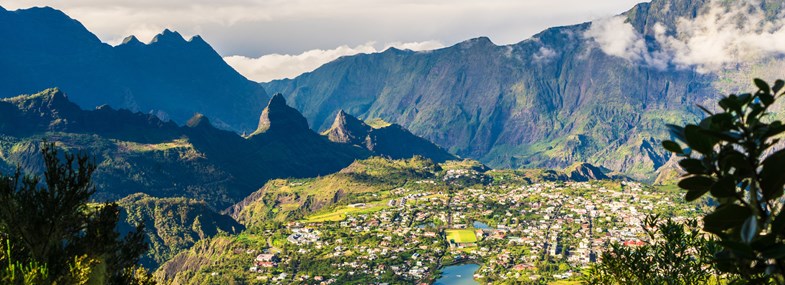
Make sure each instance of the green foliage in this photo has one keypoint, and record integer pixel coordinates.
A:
(731, 155)
(56, 235)
(677, 253)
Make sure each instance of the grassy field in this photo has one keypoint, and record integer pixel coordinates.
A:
(461, 236)
(340, 213)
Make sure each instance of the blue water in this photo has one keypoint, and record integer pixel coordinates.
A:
(480, 225)
(465, 271)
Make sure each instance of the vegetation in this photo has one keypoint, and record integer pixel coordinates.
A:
(731, 156)
(677, 253)
(51, 235)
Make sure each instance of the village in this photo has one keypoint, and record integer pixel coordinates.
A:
(541, 231)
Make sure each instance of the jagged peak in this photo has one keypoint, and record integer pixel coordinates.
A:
(168, 36)
(279, 116)
(130, 40)
(477, 42)
(277, 100)
(198, 120)
(197, 39)
(347, 129)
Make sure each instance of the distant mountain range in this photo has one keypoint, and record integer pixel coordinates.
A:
(138, 152)
(169, 77)
(566, 95)
(557, 98)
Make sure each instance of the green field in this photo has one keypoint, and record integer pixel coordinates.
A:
(461, 236)
(340, 213)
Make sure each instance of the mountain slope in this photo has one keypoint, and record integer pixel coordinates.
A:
(138, 152)
(389, 140)
(170, 77)
(172, 224)
(557, 98)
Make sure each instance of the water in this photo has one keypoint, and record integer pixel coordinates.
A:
(428, 225)
(465, 271)
(480, 225)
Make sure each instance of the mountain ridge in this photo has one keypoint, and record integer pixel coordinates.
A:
(544, 102)
(170, 77)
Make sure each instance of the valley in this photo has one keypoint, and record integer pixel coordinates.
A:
(429, 216)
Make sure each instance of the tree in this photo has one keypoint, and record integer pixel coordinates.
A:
(51, 228)
(676, 253)
(731, 155)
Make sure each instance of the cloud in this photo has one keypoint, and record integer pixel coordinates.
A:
(616, 37)
(722, 36)
(257, 27)
(279, 66)
(725, 35)
(544, 55)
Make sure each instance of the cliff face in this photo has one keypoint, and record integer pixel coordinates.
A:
(563, 96)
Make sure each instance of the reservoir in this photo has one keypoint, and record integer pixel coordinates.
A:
(461, 274)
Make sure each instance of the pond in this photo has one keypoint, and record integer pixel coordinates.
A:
(480, 225)
(461, 274)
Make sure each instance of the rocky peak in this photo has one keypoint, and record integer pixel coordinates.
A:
(347, 129)
(131, 41)
(168, 37)
(51, 100)
(585, 172)
(198, 121)
(279, 117)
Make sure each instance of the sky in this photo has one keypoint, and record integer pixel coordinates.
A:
(273, 39)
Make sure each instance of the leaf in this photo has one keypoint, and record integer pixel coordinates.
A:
(672, 147)
(696, 186)
(749, 229)
(774, 252)
(777, 86)
(778, 225)
(698, 140)
(772, 175)
(766, 98)
(692, 166)
(725, 217)
(740, 249)
(719, 122)
(724, 187)
(762, 85)
(676, 131)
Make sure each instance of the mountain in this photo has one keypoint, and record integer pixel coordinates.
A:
(563, 96)
(138, 152)
(284, 200)
(172, 224)
(389, 140)
(170, 76)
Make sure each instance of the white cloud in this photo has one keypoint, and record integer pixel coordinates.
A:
(544, 54)
(616, 37)
(256, 27)
(278, 66)
(723, 35)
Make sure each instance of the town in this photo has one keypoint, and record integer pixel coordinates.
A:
(515, 233)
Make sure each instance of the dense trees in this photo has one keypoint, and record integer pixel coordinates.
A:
(677, 253)
(52, 235)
